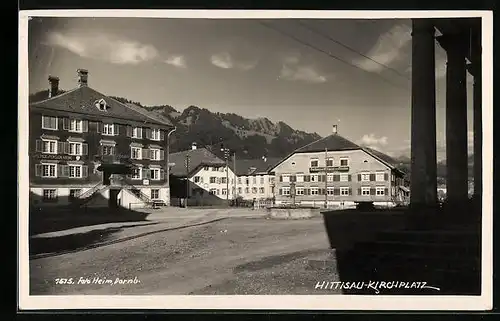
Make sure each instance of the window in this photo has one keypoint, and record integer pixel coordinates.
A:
(314, 191)
(107, 150)
(224, 191)
(286, 178)
(299, 191)
(155, 134)
(314, 178)
(255, 180)
(49, 146)
(137, 132)
(205, 168)
(271, 180)
(365, 177)
(254, 190)
(76, 125)
(154, 154)
(247, 190)
(300, 178)
(314, 163)
(344, 191)
(49, 170)
(213, 180)
(75, 148)
(261, 190)
(344, 161)
(49, 195)
(218, 191)
(365, 191)
(155, 173)
(213, 191)
(379, 176)
(239, 190)
(108, 129)
(197, 179)
(329, 177)
(239, 180)
(136, 153)
(286, 190)
(380, 191)
(262, 180)
(223, 180)
(247, 181)
(49, 122)
(330, 191)
(329, 162)
(137, 173)
(155, 193)
(74, 193)
(75, 171)
(214, 169)
(344, 177)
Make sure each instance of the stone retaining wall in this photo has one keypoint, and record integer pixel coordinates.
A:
(292, 213)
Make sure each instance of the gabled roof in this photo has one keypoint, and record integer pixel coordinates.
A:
(332, 142)
(381, 156)
(247, 167)
(336, 142)
(197, 157)
(83, 100)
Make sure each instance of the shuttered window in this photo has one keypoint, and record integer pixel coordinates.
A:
(49, 122)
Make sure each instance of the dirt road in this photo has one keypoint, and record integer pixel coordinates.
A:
(232, 256)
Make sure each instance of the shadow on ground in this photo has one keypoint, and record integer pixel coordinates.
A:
(388, 253)
(74, 242)
(58, 218)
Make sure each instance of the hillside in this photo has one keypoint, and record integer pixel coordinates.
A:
(249, 138)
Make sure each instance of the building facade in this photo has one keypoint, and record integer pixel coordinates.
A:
(85, 147)
(254, 181)
(339, 173)
(209, 180)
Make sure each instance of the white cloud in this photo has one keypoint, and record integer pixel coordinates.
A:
(225, 60)
(176, 60)
(293, 70)
(387, 50)
(371, 140)
(104, 47)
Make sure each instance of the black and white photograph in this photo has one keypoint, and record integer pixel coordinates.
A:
(272, 160)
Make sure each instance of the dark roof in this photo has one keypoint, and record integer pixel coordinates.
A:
(197, 157)
(150, 114)
(254, 166)
(381, 156)
(333, 142)
(83, 100)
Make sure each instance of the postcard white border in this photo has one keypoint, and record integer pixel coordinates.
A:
(262, 302)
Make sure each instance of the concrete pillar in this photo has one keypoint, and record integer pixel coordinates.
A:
(455, 46)
(423, 116)
(475, 71)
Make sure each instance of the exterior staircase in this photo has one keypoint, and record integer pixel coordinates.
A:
(84, 198)
(137, 192)
(445, 256)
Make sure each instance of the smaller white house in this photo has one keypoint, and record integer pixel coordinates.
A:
(254, 181)
(209, 180)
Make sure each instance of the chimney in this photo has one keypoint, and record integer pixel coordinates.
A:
(54, 86)
(334, 129)
(193, 146)
(83, 75)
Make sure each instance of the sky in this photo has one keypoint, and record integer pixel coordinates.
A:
(309, 73)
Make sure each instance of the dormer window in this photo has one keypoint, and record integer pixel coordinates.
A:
(102, 105)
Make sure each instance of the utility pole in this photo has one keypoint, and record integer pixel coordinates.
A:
(235, 177)
(187, 181)
(226, 158)
(326, 178)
